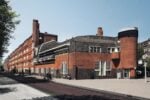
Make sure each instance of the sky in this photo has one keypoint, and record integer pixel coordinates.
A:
(70, 18)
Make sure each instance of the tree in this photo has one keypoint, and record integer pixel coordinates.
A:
(140, 52)
(8, 23)
(148, 62)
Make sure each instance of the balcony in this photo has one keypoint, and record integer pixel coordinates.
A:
(115, 55)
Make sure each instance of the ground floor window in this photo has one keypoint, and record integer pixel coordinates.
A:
(64, 68)
(102, 68)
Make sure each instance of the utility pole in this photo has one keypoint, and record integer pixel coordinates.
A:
(145, 65)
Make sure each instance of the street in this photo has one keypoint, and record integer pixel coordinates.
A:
(25, 87)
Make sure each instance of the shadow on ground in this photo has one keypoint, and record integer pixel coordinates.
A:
(83, 97)
(23, 78)
(6, 90)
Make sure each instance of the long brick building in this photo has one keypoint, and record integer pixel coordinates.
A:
(89, 56)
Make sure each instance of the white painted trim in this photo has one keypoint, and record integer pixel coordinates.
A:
(66, 44)
(128, 29)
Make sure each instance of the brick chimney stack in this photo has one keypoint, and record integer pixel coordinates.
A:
(99, 32)
(35, 26)
(35, 32)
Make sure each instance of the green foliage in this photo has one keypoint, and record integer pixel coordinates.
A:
(7, 25)
(140, 52)
(148, 62)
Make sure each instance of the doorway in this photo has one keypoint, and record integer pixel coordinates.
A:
(126, 73)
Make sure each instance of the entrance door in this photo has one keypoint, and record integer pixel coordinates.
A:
(126, 73)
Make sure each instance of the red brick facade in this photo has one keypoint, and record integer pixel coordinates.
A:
(79, 64)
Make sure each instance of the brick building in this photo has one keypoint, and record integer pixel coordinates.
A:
(89, 56)
(22, 57)
(146, 47)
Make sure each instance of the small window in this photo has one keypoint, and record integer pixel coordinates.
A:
(98, 49)
(95, 49)
(97, 65)
(108, 68)
(91, 49)
(113, 49)
(118, 49)
(109, 50)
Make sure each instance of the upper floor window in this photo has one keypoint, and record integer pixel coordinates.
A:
(113, 49)
(94, 49)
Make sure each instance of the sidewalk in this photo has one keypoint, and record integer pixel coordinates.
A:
(19, 92)
(134, 87)
(12, 90)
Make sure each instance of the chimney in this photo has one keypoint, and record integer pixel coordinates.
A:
(99, 32)
(35, 26)
(35, 32)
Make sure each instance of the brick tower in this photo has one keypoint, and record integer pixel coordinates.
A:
(128, 55)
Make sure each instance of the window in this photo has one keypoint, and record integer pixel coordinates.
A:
(91, 49)
(98, 49)
(27, 57)
(95, 49)
(109, 50)
(108, 68)
(64, 68)
(113, 49)
(97, 65)
(118, 49)
(102, 68)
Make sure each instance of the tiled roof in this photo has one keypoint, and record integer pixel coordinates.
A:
(96, 39)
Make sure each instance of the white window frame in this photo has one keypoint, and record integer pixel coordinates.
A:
(96, 49)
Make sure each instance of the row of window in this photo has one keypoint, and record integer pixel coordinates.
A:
(20, 54)
(95, 49)
(23, 64)
(98, 49)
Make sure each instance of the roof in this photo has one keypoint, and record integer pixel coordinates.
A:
(128, 29)
(47, 45)
(96, 39)
(51, 45)
(47, 34)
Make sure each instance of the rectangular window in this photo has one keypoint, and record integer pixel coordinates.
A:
(95, 49)
(91, 49)
(113, 49)
(108, 68)
(109, 50)
(103, 68)
(64, 68)
(97, 65)
(118, 49)
(98, 49)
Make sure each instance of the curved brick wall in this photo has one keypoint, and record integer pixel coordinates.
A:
(128, 46)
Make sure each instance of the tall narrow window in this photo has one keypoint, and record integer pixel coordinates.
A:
(100, 68)
(108, 68)
(64, 68)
